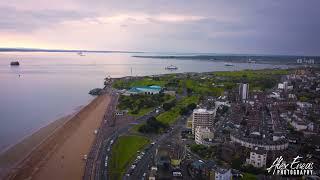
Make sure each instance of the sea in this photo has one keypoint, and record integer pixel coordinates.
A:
(49, 85)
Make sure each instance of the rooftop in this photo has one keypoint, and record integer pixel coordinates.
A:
(203, 111)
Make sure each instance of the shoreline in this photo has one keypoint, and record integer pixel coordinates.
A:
(16, 153)
(47, 136)
(64, 115)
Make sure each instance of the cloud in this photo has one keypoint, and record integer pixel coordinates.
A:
(140, 18)
(16, 20)
(266, 26)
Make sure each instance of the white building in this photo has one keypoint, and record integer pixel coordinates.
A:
(280, 86)
(258, 158)
(244, 91)
(281, 144)
(275, 95)
(285, 85)
(299, 125)
(222, 174)
(202, 118)
(203, 136)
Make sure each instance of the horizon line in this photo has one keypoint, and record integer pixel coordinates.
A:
(22, 49)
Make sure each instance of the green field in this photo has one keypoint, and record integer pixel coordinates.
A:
(258, 79)
(171, 116)
(123, 153)
(248, 176)
(147, 81)
(252, 73)
(141, 112)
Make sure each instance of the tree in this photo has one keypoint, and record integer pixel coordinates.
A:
(167, 106)
(152, 126)
(191, 106)
(184, 111)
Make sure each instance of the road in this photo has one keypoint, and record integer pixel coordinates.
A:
(93, 163)
(143, 165)
(109, 132)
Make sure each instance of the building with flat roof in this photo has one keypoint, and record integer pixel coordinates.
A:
(202, 118)
(144, 90)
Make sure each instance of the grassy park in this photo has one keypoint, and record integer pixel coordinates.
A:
(171, 116)
(258, 79)
(146, 81)
(123, 153)
(141, 104)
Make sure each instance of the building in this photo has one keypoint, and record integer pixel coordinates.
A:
(285, 85)
(251, 143)
(144, 90)
(202, 118)
(203, 136)
(299, 125)
(222, 174)
(258, 158)
(244, 91)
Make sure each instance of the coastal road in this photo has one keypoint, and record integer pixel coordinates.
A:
(143, 165)
(109, 131)
(92, 167)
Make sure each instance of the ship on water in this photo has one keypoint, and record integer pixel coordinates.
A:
(14, 63)
(171, 67)
(228, 64)
(81, 54)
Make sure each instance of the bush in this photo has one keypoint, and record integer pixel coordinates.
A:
(152, 126)
(203, 151)
(167, 106)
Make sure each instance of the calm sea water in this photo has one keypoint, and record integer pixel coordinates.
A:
(52, 85)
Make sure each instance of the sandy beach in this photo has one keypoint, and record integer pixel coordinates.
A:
(15, 154)
(60, 155)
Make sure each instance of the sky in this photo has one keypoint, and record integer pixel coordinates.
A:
(287, 27)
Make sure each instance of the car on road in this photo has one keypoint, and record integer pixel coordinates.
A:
(85, 157)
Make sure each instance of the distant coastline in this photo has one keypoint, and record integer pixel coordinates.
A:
(60, 50)
(261, 59)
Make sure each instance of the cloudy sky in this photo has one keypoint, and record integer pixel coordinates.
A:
(239, 26)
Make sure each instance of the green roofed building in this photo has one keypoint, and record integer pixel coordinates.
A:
(144, 90)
